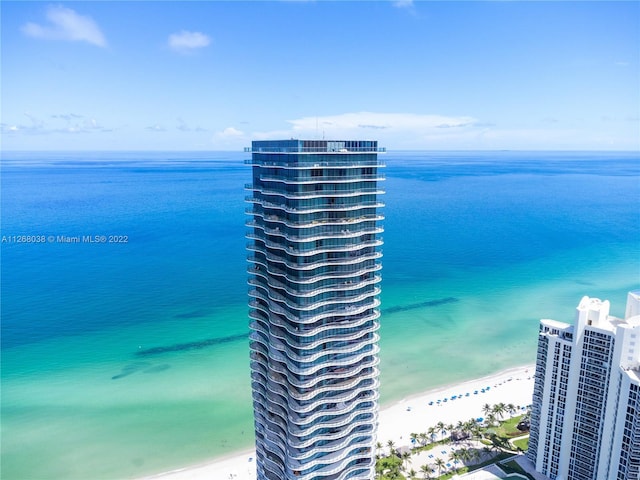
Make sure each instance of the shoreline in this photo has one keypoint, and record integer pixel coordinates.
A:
(396, 421)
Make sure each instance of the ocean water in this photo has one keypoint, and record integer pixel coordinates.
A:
(128, 358)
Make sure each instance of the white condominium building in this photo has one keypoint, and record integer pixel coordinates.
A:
(585, 420)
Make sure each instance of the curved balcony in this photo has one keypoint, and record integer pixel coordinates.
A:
(301, 408)
(307, 319)
(329, 447)
(301, 210)
(305, 306)
(363, 365)
(347, 435)
(357, 427)
(337, 423)
(265, 280)
(347, 272)
(338, 262)
(331, 417)
(309, 302)
(305, 330)
(311, 250)
(318, 232)
(300, 164)
(360, 470)
(329, 392)
(308, 396)
(350, 346)
(316, 224)
(335, 462)
(324, 341)
(321, 434)
(330, 429)
(273, 463)
(307, 180)
(307, 334)
(346, 369)
(345, 193)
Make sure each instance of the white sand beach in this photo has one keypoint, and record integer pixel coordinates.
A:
(396, 422)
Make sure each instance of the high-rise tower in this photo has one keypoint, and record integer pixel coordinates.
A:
(314, 286)
(585, 418)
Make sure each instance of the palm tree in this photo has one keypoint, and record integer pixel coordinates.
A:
(426, 471)
(423, 438)
(432, 433)
(378, 448)
(454, 457)
(414, 437)
(405, 457)
(465, 454)
(391, 444)
(486, 409)
(499, 410)
(441, 428)
(440, 465)
(511, 408)
(471, 427)
(412, 474)
(491, 419)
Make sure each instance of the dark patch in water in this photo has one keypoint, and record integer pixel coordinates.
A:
(158, 368)
(428, 303)
(194, 314)
(181, 347)
(130, 369)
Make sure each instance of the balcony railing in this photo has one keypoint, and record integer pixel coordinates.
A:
(322, 178)
(324, 149)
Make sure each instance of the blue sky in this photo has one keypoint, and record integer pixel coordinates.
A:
(414, 75)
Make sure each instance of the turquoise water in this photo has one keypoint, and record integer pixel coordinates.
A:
(126, 359)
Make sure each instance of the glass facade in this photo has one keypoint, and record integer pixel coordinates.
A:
(314, 286)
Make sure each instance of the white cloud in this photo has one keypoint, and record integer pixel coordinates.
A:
(231, 139)
(230, 132)
(361, 122)
(185, 41)
(55, 124)
(66, 24)
(183, 127)
(392, 130)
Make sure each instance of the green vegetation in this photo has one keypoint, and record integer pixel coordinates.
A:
(513, 467)
(507, 429)
(521, 443)
(496, 435)
(388, 468)
(499, 457)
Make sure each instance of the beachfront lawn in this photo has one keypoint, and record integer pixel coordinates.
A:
(508, 428)
(521, 443)
(388, 468)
